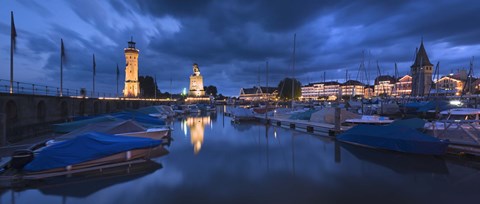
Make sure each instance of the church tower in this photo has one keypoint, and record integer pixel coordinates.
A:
(421, 72)
(132, 86)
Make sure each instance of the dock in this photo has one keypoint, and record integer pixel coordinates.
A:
(322, 129)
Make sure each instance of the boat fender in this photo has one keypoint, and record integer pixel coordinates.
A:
(68, 168)
(129, 155)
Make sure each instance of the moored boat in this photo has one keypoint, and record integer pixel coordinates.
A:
(395, 138)
(85, 152)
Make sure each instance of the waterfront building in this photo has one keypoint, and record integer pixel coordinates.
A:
(403, 86)
(368, 91)
(384, 85)
(132, 85)
(311, 91)
(449, 85)
(476, 86)
(421, 72)
(328, 90)
(352, 88)
(258, 93)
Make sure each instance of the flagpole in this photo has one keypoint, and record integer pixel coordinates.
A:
(61, 67)
(117, 79)
(93, 92)
(155, 86)
(12, 46)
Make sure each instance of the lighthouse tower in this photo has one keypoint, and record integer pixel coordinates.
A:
(132, 86)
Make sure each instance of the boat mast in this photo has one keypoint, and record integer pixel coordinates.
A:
(267, 93)
(293, 70)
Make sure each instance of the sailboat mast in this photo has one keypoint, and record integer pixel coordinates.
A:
(293, 70)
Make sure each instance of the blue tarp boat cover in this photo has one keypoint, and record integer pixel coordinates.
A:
(139, 117)
(396, 138)
(414, 123)
(89, 146)
(302, 115)
(432, 105)
(70, 126)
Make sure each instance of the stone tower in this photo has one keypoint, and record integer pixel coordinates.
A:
(421, 72)
(132, 86)
(196, 83)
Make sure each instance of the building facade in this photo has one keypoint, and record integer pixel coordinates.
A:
(403, 86)
(449, 85)
(258, 93)
(326, 90)
(384, 85)
(132, 85)
(352, 88)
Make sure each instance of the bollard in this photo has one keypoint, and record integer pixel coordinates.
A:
(3, 131)
(337, 120)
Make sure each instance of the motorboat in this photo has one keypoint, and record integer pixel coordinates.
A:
(453, 118)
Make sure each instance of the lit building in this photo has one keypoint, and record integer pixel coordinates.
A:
(258, 93)
(384, 85)
(352, 88)
(421, 72)
(314, 91)
(403, 86)
(368, 91)
(311, 91)
(132, 85)
(476, 86)
(449, 85)
(331, 88)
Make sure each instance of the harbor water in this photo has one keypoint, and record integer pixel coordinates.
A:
(212, 160)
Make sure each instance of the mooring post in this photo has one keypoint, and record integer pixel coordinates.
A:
(3, 131)
(337, 120)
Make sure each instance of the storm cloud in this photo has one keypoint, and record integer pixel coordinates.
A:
(232, 40)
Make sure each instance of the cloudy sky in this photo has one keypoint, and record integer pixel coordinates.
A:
(232, 39)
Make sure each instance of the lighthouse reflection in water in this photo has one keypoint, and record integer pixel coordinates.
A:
(196, 125)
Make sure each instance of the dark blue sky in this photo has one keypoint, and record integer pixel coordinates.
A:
(230, 40)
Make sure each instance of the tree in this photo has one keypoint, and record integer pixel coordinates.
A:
(148, 86)
(285, 89)
(220, 97)
(210, 90)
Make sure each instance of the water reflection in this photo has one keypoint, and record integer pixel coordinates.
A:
(197, 124)
(398, 162)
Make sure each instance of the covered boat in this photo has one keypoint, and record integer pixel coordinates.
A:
(127, 127)
(242, 114)
(70, 126)
(89, 150)
(141, 118)
(394, 137)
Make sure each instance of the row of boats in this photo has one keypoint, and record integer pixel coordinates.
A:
(451, 126)
(92, 144)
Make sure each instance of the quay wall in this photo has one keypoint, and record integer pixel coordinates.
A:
(27, 116)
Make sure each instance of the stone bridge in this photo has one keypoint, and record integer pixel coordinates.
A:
(25, 116)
